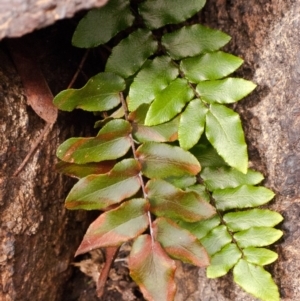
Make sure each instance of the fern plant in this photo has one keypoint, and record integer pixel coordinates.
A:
(168, 168)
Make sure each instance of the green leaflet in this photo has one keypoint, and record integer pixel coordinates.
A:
(228, 177)
(169, 102)
(110, 19)
(182, 182)
(83, 170)
(256, 281)
(170, 201)
(165, 132)
(131, 53)
(200, 190)
(119, 113)
(138, 116)
(111, 143)
(223, 261)
(210, 66)
(180, 243)
(152, 269)
(101, 191)
(257, 237)
(191, 125)
(193, 40)
(228, 90)
(162, 89)
(207, 155)
(244, 196)
(224, 131)
(259, 256)
(116, 226)
(157, 13)
(160, 160)
(101, 93)
(239, 221)
(216, 239)
(155, 76)
(201, 229)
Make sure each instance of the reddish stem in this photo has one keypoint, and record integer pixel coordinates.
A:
(78, 69)
(110, 256)
(124, 105)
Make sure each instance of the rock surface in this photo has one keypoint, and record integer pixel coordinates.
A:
(266, 35)
(18, 17)
(38, 236)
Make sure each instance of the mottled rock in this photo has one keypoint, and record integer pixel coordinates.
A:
(266, 35)
(18, 17)
(38, 236)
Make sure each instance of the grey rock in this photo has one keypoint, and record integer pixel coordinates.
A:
(18, 17)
